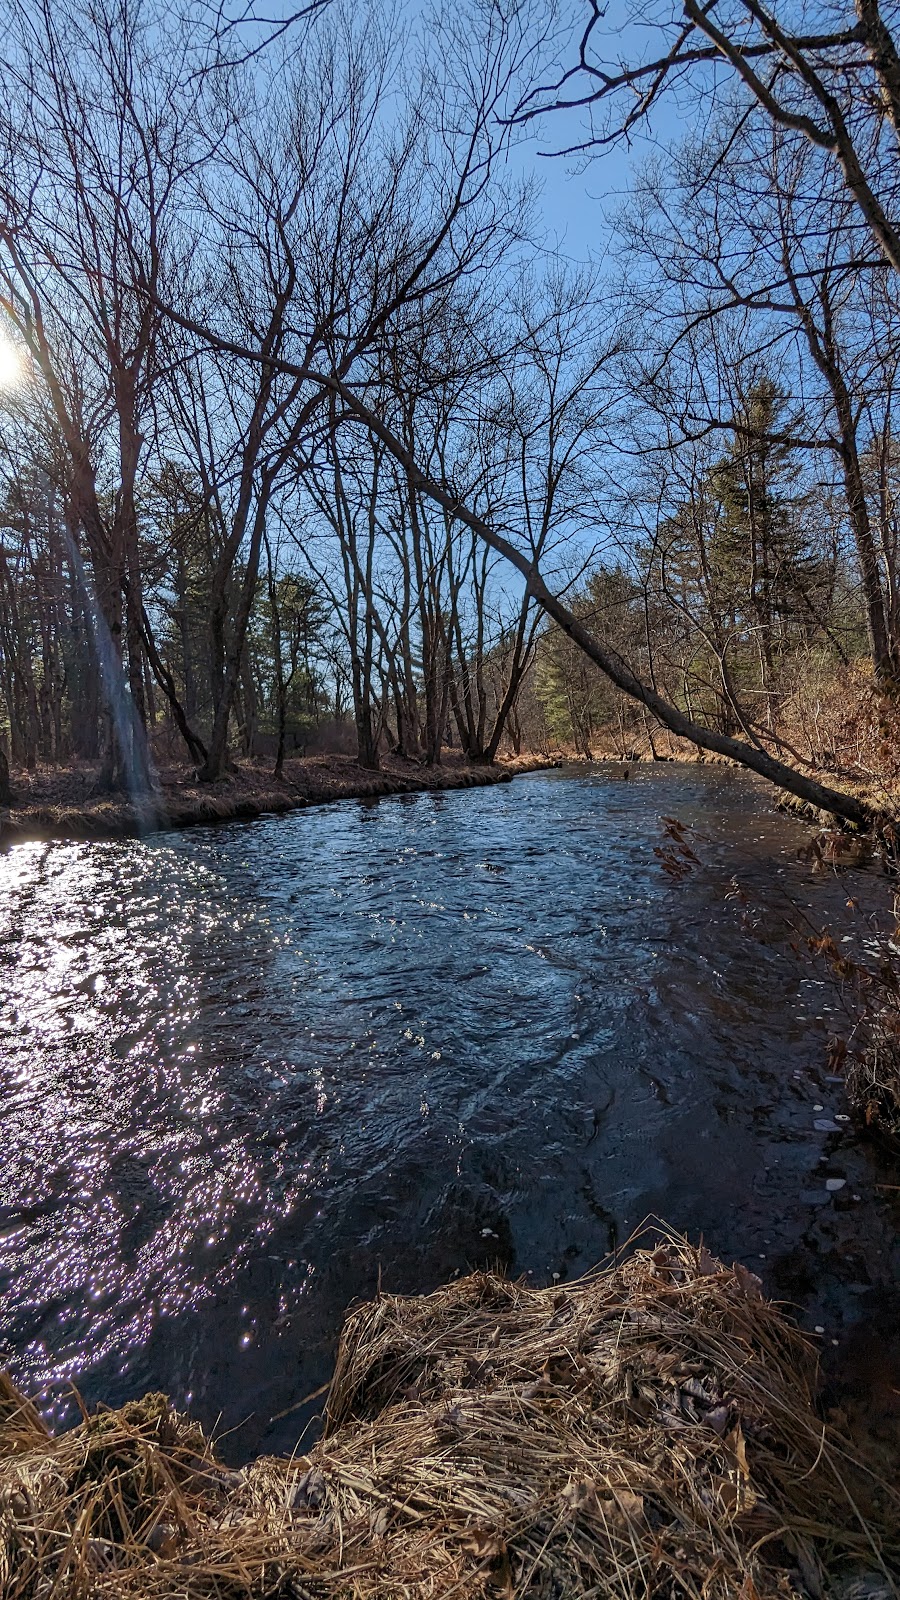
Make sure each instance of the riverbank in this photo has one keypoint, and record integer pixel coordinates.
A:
(648, 1429)
(62, 803)
(836, 728)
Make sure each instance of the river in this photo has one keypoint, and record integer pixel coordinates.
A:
(246, 1072)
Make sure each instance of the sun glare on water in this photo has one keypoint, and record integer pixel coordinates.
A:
(12, 367)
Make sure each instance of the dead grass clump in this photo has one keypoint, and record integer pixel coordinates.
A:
(20, 1423)
(873, 1079)
(869, 990)
(646, 1431)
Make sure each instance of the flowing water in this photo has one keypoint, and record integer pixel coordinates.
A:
(248, 1072)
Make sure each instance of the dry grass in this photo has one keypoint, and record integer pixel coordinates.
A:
(873, 1079)
(646, 1431)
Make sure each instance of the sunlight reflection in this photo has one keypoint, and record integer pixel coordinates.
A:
(130, 1157)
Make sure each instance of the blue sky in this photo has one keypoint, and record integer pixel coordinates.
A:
(580, 194)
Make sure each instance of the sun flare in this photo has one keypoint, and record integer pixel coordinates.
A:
(12, 367)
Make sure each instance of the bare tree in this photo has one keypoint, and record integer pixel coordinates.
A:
(833, 80)
(91, 135)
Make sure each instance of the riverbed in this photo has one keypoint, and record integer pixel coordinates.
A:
(250, 1072)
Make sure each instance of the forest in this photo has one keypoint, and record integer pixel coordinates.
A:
(406, 1194)
(315, 436)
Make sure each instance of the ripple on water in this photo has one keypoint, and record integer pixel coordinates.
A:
(245, 1070)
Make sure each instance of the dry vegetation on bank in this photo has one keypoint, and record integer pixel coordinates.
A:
(647, 1430)
(833, 725)
(644, 1431)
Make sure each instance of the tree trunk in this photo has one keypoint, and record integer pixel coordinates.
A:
(747, 755)
(216, 756)
(6, 798)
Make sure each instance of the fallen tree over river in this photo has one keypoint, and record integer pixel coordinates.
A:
(747, 752)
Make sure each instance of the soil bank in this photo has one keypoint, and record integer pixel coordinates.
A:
(62, 803)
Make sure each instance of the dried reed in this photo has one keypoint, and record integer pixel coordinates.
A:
(646, 1431)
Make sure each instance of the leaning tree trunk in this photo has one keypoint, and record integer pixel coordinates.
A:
(752, 756)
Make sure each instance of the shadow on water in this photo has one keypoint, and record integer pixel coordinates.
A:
(246, 1071)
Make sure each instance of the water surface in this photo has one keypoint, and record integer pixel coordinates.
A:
(247, 1071)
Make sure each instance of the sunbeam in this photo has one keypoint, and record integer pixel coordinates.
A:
(12, 366)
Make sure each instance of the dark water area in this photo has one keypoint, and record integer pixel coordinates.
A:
(246, 1072)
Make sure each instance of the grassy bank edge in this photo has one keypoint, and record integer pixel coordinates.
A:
(461, 1455)
(245, 796)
